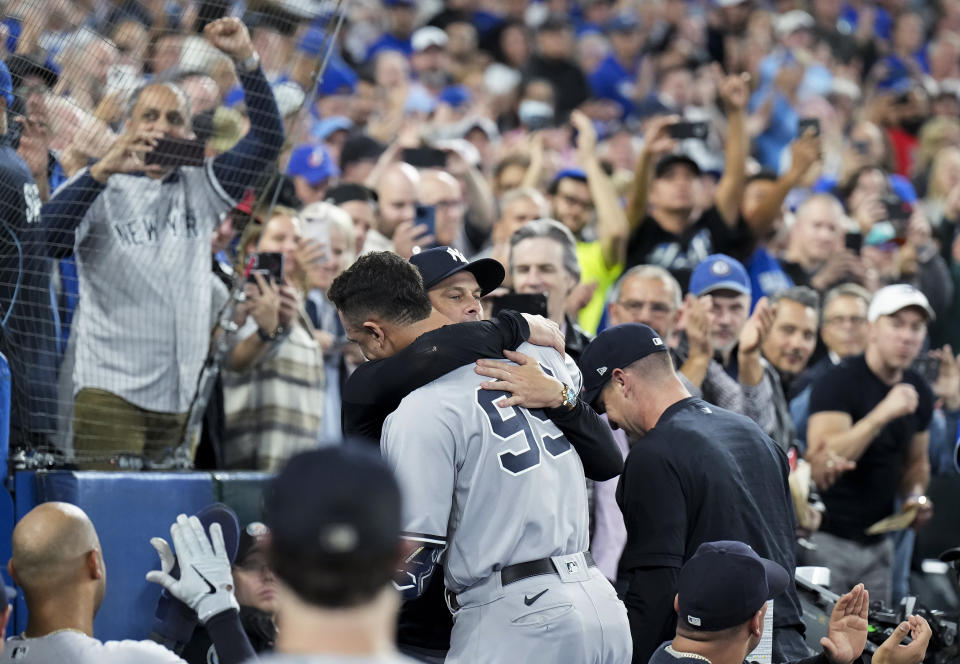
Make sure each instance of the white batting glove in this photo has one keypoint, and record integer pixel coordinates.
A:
(205, 583)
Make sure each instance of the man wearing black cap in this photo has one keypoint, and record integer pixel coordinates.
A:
(700, 473)
(668, 234)
(335, 552)
(454, 285)
(721, 602)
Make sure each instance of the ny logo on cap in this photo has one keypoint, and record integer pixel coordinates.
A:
(602, 370)
(456, 255)
(657, 341)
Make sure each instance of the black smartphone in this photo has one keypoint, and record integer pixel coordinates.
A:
(427, 215)
(685, 130)
(853, 242)
(897, 210)
(173, 152)
(268, 264)
(424, 157)
(928, 367)
(534, 304)
(806, 123)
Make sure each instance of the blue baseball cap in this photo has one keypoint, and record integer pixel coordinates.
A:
(338, 78)
(438, 263)
(569, 173)
(455, 95)
(323, 128)
(724, 584)
(615, 348)
(6, 84)
(312, 162)
(399, 3)
(719, 272)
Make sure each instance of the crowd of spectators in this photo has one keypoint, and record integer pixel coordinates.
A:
(772, 186)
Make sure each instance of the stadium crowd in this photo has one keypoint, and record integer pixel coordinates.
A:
(204, 202)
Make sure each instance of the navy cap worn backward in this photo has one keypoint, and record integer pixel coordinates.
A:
(438, 263)
(724, 584)
(719, 272)
(615, 348)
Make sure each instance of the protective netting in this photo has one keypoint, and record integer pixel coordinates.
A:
(140, 137)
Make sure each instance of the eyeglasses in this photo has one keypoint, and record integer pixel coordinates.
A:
(578, 202)
(855, 321)
(448, 205)
(636, 306)
(25, 91)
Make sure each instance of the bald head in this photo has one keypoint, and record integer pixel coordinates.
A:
(51, 546)
(442, 190)
(397, 191)
(818, 230)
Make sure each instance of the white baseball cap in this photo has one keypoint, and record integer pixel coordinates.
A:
(793, 20)
(891, 299)
(428, 36)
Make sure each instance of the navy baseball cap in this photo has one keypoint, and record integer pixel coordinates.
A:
(313, 162)
(615, 348)
(438, 263)
(671, 160)
(6, 84)
(316, 512)
(255, 537)
(724, 583)
(719, 272)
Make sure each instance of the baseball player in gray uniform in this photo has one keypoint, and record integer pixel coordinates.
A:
(495, 492)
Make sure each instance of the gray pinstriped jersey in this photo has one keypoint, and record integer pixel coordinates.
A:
(143, 256)
(496, 486)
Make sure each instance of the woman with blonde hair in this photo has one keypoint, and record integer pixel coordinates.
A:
(274, 376)
(330, 225)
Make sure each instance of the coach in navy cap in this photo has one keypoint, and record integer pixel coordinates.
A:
(454, 284)
(695, 473)
(722, 600)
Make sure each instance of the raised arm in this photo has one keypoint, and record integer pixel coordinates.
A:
(612, 227)
(805, 151)
(656, 143)
(241, 166)
(735, 92)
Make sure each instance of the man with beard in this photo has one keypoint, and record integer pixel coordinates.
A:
(775, 346)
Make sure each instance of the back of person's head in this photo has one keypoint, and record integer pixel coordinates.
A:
(721, 588)
(382, 285)
(56, 551)
(334, 517)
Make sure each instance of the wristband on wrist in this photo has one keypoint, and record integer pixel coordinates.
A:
(249, 64)
(269, 337)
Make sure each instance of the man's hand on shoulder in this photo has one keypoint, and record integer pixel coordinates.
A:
(526, 382)
(230, 35)
(544, 332)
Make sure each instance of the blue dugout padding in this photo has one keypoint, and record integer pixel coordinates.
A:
(128, 509)
(4, 412)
